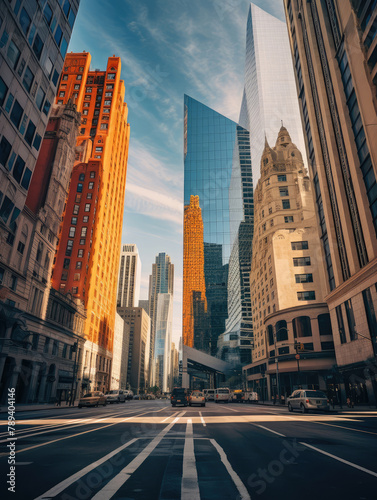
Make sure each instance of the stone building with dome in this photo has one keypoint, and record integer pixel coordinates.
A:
(293, 343)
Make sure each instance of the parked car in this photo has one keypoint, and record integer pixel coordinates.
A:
(305, 400)
(179, 396)
(222, 394)
(237, 396)
(93, 399)
(197, 398)
(129, 394)
(251, 397)
(209, 394)
(115, 396)
(137, 396)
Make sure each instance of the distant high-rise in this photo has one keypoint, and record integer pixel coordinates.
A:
(162, 348)
(129, 277)
(218, 199)
(270, 96)
(193, 267)
(160, 281)
(334, 49)
(87, 259)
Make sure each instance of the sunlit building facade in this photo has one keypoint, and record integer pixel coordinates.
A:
(333, 46)
(129, 277)
(270, 95)
(162, 346)
(87, 259)
(218, 199)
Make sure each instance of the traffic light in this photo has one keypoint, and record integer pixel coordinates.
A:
(299, 346)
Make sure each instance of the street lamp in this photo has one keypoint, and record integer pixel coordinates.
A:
(277, 361)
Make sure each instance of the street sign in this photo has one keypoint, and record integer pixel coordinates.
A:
(297, 356)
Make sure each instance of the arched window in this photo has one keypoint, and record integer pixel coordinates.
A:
(39, 252)
(281, 330)
(324, 324)
(302, 327)
(270, 334)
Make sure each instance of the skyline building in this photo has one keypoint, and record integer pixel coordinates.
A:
(160, 281)
(269, 98)
(129, 277)
(333, 46)
(87, 258)
(162, 363)
(287, 280)
(218, 183)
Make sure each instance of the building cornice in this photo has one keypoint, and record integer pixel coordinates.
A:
(317, 305)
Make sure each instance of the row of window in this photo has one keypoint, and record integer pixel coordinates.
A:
(68, 251)
(7, 207)
(302, 327)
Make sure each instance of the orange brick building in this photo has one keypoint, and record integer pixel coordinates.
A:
(194, 287)
(87, 258)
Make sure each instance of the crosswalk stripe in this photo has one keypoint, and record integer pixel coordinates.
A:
(189, 485)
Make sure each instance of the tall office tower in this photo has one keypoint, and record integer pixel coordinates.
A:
(270, 94)
(145, 305)
(287, 279)
(137, 327)
(87, 259)
(129, 277)
(33, 41)
(162, 346)
(193, 269)
(160, 281)
(120, 355)
(334, 52)
(218, 177)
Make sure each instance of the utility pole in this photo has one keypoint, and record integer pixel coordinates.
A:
(75, 350)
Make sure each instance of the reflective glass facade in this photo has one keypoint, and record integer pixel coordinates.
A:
(270, 95)
(218, 220)
(162, 355)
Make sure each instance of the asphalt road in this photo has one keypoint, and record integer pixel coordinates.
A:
(149, 450)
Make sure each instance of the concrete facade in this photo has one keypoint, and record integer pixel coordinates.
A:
(334, 54)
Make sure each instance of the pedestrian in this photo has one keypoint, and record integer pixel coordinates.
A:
(59, 399)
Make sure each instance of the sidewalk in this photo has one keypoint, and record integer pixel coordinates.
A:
(32, 407)
(337, 409)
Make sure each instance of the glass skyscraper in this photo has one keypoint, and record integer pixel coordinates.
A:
(270, 96)
(162, 348)
(218, 221)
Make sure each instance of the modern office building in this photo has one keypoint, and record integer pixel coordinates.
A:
(120, 355)
(137, 326)
(287, 280)
(270, 93)
(33, 41)
(160, 281)
(87, 259)
(218, 199)
(334, 51)
(129, 277)
(162, 346)
(145, 305)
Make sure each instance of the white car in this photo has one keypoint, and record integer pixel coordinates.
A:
(197, 398)
(209, 394)
(115, 396)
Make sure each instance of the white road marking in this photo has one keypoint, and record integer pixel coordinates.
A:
(67, 482)
(189, 484)
(202, 419)
(347, 428)
(170, 416)
(269, 430)
(233, 409)
(73, 435)
(244, 494)
(113, 486)
(372, 473)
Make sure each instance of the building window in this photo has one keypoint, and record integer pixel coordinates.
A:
(324, 324)
(77, 87)
(307, 295)
(304, 278)
(92, 174)
(339, 317)
(68, 250)
(76, 209)
(79, 187)
(16, 114)
(286, 204)
(85, 218)
(78, 264)
(351, 320)
(40, 98)
(301, 261)
(302, 327)
(21, 247)
(74, 221)
(371, 315)
(283, 191)
(111, 76)
(87, 207)
(37, 46)
(89, 196)
(28, 79)
(77, 277)
(13, 54)
(84, 230)
(64, 276)
(299, 245)
(288, 219)
(47, 345)
(66, 263)
(80, 253)
(282, 178)
(72, 231)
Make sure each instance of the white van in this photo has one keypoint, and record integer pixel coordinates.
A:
(209, 394)
(222, 394)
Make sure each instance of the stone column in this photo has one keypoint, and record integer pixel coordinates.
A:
(15, 374)
(42, 388)
(33, 381)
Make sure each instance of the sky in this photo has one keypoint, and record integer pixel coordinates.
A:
(168, 48)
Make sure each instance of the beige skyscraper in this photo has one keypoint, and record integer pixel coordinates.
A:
(129, 277)
(334, 52)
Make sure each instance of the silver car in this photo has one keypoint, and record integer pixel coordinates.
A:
(115, 396)
(197, 398)
(305, 400)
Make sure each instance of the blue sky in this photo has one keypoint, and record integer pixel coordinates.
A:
(168, 48)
